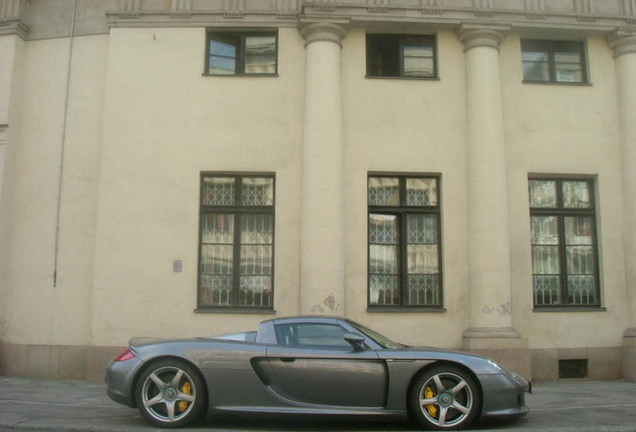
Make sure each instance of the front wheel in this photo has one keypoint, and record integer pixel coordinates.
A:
(444, 398)
(170, 394)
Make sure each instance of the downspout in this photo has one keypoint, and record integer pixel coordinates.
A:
(62, 147)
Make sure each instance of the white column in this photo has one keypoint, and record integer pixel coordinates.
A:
(322, 275)
(491, 330)
(624, 44)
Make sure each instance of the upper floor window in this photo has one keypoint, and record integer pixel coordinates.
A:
(547, 61)
(404, 241)
(236, 241)
(242, 53)
(399, 55)
(564, 243)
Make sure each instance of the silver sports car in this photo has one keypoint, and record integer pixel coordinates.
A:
(311, 365)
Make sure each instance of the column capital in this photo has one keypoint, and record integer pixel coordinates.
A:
(622, 42)
(474, 36)
(323, 31)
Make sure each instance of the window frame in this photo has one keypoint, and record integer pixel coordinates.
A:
(402, 211)
(551, 46)
(561, 212)
(240, 36)
(402, 38)
(237, 210)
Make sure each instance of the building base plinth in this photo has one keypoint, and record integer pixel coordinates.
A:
(629, 354)
(504, 345)
(73, 362)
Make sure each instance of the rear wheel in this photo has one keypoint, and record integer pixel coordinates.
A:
(170, 393)
(444, 398)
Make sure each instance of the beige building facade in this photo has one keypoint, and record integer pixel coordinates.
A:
(452, 173)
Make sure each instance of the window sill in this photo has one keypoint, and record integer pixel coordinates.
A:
(274, 75)
(569, 309)
(233, 310)
(418, 309)
(564, 83)
(408, 78)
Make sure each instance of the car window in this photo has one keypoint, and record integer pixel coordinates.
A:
(320, 336)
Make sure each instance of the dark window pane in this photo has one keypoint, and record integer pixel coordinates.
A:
(543, 193)
(547, 290)
(582, 290)
(579, 230)
(418, 61)
(223, 55)
(256, 191)
(536, 71)
(216, 290)
(384, 290)
(383, 259)
(217, 228)
(544, 230)
(218, 191)
(260, 54)
(421, 192)
(422, 229)
(255, 291)
(545, 260)
(384, 191)
(576, 194)
(423, 290)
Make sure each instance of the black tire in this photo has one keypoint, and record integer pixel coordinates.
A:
(444, 397)
(170, 394)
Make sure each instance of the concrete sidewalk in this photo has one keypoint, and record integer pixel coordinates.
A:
(565, 406)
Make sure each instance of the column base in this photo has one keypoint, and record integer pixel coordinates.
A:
(504, 345)
(629, 354)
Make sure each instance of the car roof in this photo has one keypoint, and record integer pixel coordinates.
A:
(306, 319)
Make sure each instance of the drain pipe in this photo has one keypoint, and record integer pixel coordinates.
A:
(62, 147)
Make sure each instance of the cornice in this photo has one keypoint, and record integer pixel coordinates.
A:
(14, 27)
(536, 18)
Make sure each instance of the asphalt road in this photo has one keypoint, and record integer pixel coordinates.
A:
(61, 406)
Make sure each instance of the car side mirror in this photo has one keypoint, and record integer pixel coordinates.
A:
(356, 341)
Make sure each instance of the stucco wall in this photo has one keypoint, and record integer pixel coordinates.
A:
(408, 126)
(39, 312)
(164, 123)
(573, 130)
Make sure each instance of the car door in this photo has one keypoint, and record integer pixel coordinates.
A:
(313, 364)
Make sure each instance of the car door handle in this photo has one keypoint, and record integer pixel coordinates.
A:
(288, 359)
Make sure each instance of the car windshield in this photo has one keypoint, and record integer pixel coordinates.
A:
(381, 340)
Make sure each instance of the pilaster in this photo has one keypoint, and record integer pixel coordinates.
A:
(322, 204)
(624, 45)
(491, 331)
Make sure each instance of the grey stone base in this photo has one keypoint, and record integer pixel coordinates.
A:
(540, 365)
(56, 361)
(629, 354)
(603, 363)
(504, 345)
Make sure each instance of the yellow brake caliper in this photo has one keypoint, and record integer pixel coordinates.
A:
(186, 389)
(428, 394)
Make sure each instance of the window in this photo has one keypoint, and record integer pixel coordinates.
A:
(320, 336)
(564, 244)
(547, 61)
(236, 256)
(404, 242)
(233, 53)
(394, 55)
